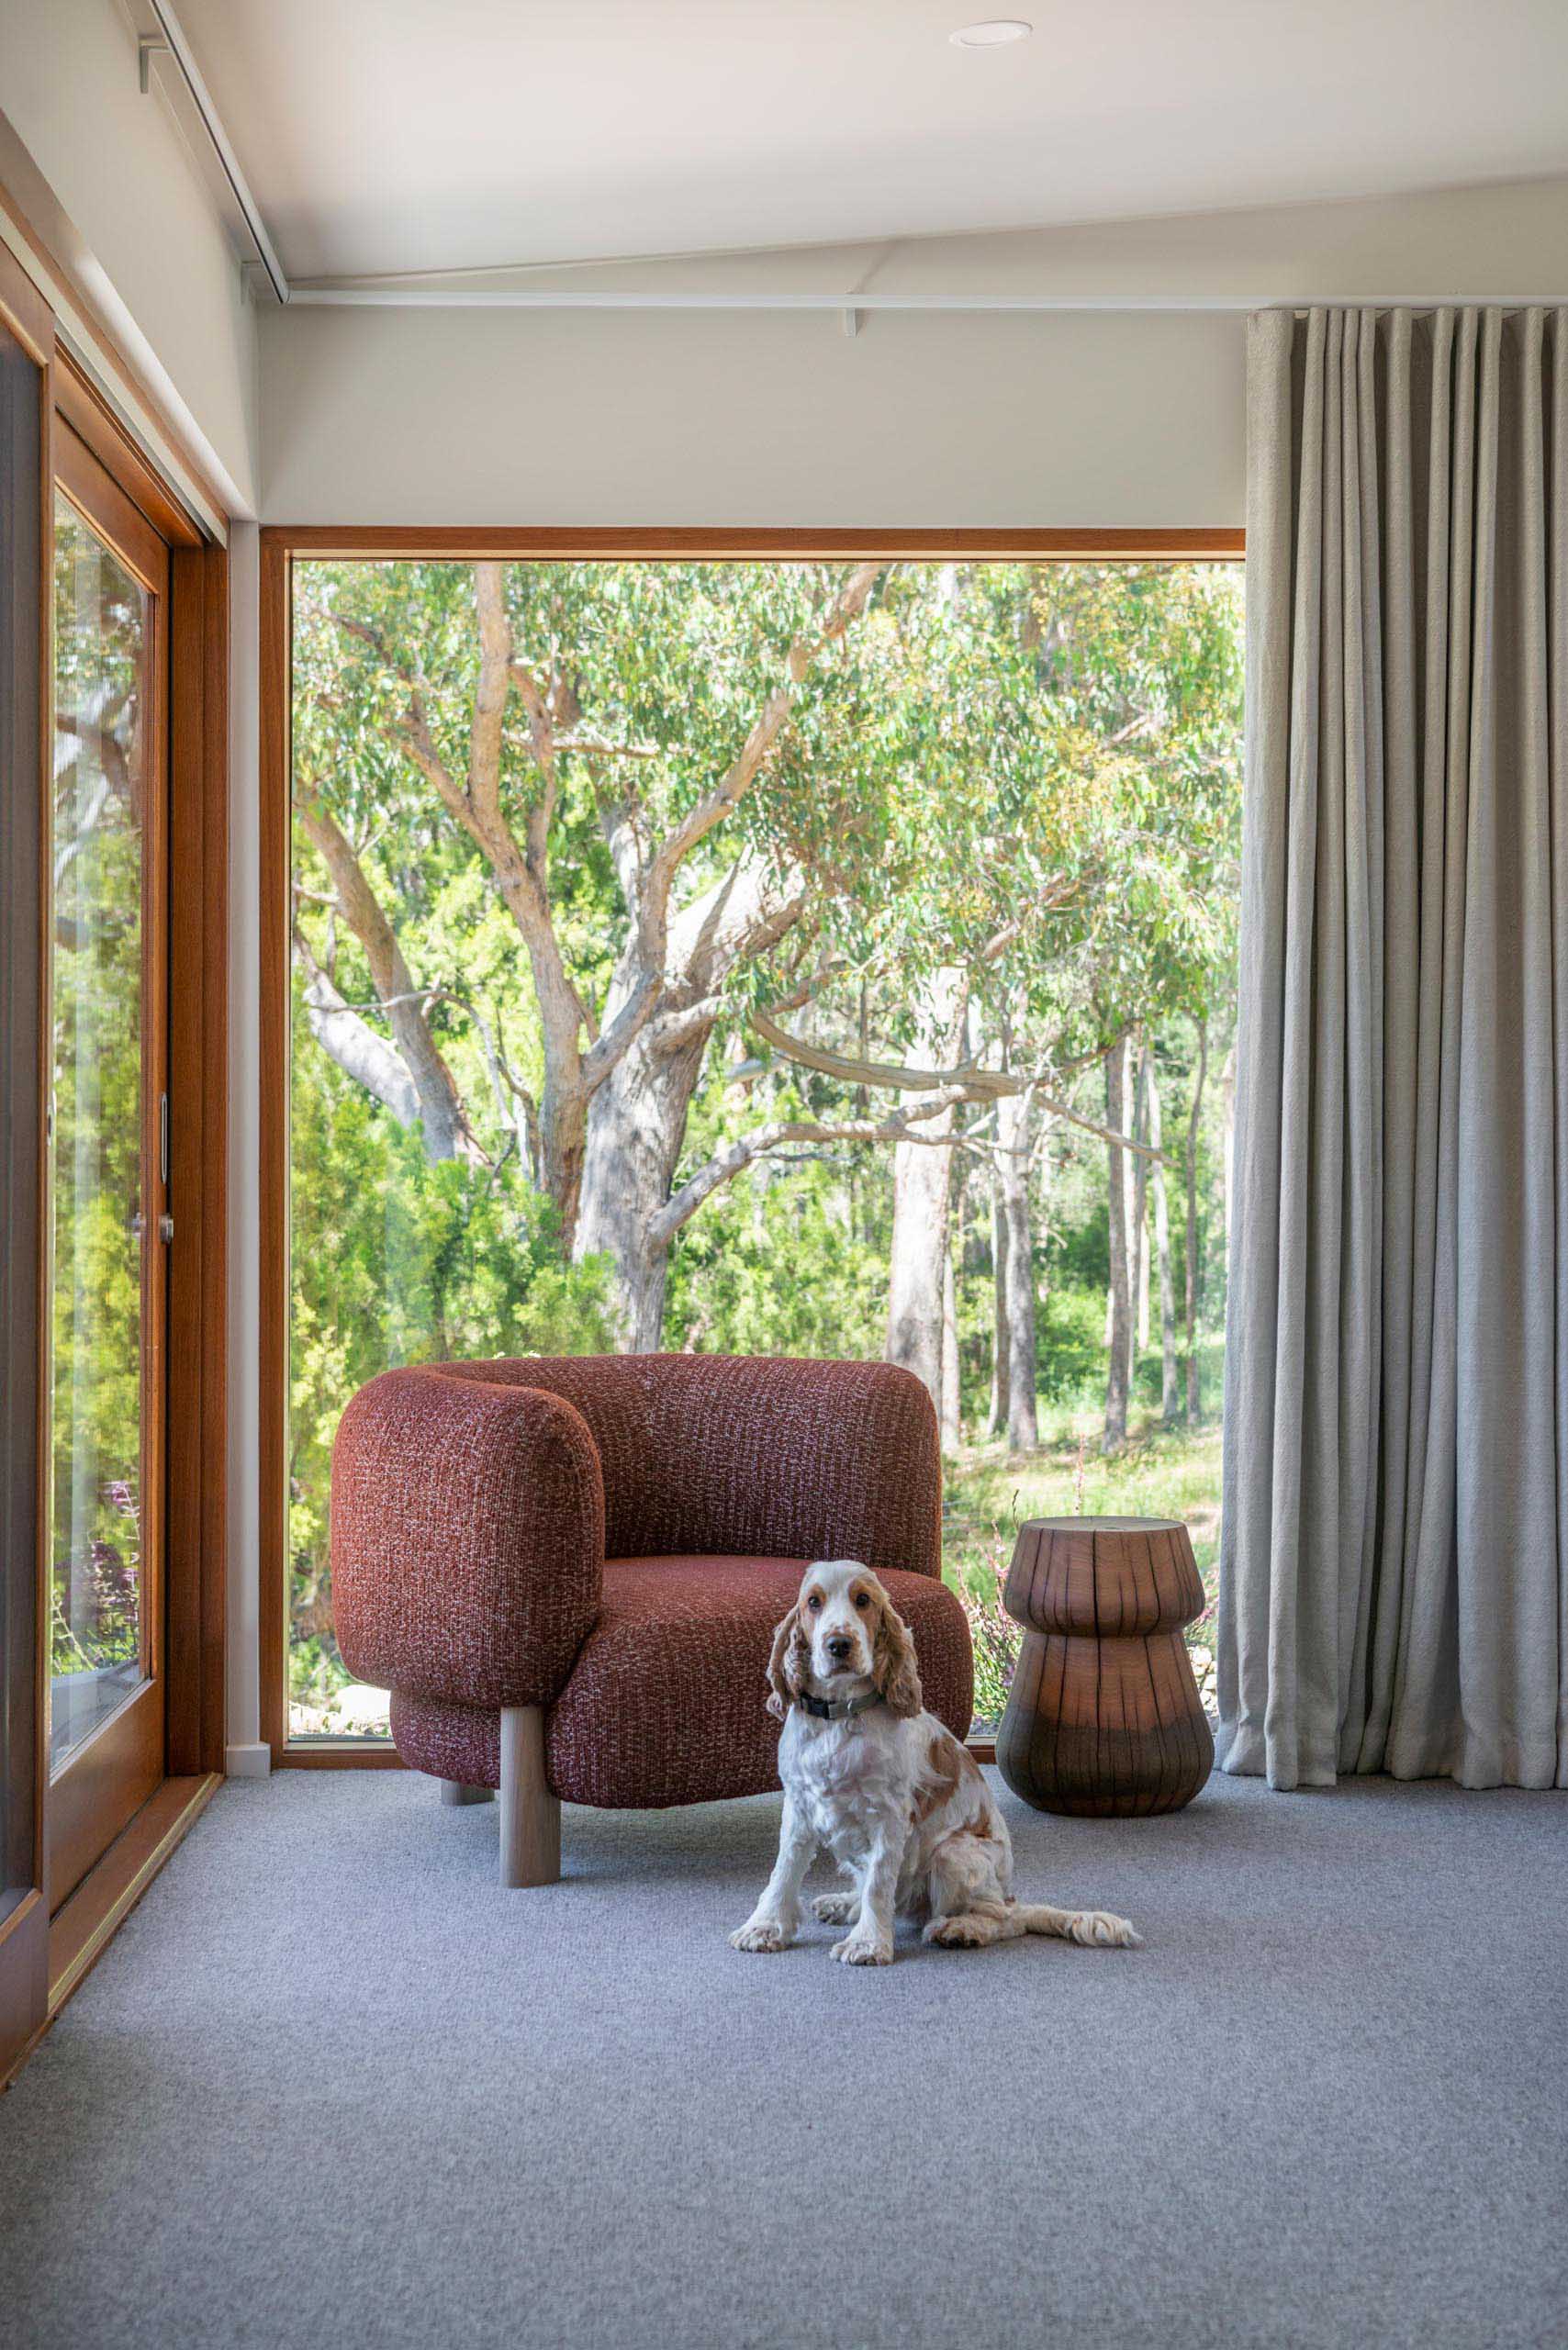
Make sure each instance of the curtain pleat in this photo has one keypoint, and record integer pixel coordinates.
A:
(1394, 1593)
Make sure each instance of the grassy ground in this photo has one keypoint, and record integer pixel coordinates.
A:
(1162, 1473)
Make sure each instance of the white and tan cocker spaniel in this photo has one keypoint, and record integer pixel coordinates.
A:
(898, 1802)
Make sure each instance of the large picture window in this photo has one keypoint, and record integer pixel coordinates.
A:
(766, 955)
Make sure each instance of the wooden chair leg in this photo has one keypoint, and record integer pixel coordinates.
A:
(454, 1791)
(530, 1815)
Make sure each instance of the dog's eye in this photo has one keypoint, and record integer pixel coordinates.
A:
(862, 1599)
(814, 1601)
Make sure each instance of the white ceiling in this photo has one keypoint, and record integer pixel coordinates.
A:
(384, 136)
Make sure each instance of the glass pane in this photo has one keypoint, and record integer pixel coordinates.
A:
(99, 1239)
(1002, 822)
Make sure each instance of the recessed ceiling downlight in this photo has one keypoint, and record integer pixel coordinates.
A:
(994, 33)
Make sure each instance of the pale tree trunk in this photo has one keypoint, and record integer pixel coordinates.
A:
(341, 1033)
(952, 1397)
(1194, 1400)
(1115, 1434)
(922, 1186)
(1138, 1219)
(1227, 1114)
(1015, 1285)
(354, 1044)
(921, 1176)
(1128, 1086)
(997, 1418)
(635, 1127)
(1170, 1377)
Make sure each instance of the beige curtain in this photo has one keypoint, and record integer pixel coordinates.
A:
(1394, 1588)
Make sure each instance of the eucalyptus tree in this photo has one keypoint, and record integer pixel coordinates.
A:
(581, 744)
(563, 826)
(1118, 1329)
(1059, 835)
(1170, 1395)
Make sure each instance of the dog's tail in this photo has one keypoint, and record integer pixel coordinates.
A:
(1097, 1929)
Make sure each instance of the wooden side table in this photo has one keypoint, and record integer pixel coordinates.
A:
(1103, 1717)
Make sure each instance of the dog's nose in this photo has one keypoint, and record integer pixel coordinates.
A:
(838, 1647)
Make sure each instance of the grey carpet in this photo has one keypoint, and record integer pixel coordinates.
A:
(331, 2086)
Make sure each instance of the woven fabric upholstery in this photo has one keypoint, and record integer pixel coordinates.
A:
(667, 1704)
(756, 1457)
(473, 1505)
(467, 1539)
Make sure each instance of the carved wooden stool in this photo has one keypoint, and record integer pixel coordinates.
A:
(1103, 1717)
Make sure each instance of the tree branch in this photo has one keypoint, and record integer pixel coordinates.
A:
(727, 1163)
(743, 916)
(766, 728)
(88, 733)
(640, 971)
(353, 1045)
(592, 747)
(490, 691)
(522, 876)
(441, 1112)
(967, 1083)
(523, 1123)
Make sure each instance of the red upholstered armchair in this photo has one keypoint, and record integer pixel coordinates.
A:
(568, 1571)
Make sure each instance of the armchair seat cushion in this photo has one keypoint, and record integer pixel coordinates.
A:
(667, 1703)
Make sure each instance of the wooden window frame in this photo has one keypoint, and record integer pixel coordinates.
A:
(123, 1765)
(281, 543)
(196, 1333)
(24, 1930)
(56, 1953)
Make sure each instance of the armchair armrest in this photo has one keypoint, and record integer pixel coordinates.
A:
(467, 1539)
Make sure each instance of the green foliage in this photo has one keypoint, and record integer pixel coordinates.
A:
(98, 1202)
(1070, 1342)
(396, 1262)
(1046, 754)
(774, 1268)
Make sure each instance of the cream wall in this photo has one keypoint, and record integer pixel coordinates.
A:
(774, 417)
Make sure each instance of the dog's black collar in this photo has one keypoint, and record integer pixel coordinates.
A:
(838, 1709)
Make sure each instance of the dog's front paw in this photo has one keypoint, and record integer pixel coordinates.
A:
(1104, 1931)
(836, 1908)
(960, 1933)
(765, 1934)
(863, 1950)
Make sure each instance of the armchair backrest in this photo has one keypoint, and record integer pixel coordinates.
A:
(769, 1456)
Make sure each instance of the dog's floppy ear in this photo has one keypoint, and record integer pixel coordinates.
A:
(893, 1666)
(787, 1665)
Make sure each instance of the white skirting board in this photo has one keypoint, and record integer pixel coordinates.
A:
(248, 1762)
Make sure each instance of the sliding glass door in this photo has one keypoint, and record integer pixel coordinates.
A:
(114, 855)
(107, 1141)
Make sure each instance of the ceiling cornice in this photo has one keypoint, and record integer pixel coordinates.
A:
(1498, 243)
